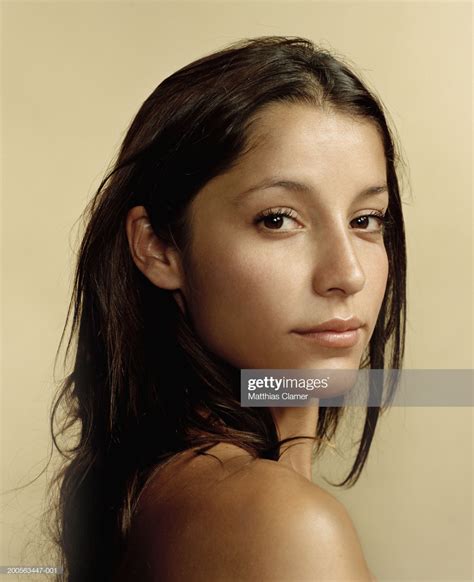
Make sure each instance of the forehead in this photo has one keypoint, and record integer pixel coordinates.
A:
(331, 152)
(312, 134)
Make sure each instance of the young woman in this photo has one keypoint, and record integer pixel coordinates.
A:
(252, 220)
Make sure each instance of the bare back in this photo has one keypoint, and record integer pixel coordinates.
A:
(213, 519)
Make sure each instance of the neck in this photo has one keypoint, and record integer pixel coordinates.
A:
(297, 421)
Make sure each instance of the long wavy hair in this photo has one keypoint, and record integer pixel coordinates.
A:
(141, 377)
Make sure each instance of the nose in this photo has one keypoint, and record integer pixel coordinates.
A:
(337, 266)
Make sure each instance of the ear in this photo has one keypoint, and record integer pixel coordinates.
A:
(158, 260)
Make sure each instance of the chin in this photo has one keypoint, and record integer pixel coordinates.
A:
(337, 361)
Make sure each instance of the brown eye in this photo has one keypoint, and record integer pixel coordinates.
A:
(369, 222)
(275, 219)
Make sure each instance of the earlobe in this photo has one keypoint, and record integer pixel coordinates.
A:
(157, 259)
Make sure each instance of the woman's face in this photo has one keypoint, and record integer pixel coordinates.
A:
(253, 280)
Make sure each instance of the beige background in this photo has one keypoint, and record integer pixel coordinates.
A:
(74, 75)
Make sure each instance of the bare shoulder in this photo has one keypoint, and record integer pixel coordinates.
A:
(246, 520)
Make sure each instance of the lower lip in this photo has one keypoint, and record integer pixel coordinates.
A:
(333, 339)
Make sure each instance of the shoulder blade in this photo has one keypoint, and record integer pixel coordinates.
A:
(266, 524)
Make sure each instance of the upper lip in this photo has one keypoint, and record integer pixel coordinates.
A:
(337, 324)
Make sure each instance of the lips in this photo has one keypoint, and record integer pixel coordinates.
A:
(334, 333)
(336, 324)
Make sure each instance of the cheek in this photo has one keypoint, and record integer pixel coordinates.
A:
(376, 280)
(242, 276)
(239, 294)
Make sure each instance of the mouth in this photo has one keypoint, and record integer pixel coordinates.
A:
(333, 339)
(334, 333)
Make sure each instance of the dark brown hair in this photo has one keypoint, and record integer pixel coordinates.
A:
(140, 373)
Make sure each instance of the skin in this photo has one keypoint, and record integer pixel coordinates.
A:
(248, 286)
(281, 527)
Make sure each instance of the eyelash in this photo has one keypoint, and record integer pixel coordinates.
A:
(288, 213)
(275, 212)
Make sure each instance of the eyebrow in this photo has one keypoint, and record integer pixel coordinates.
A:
(294, 186)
